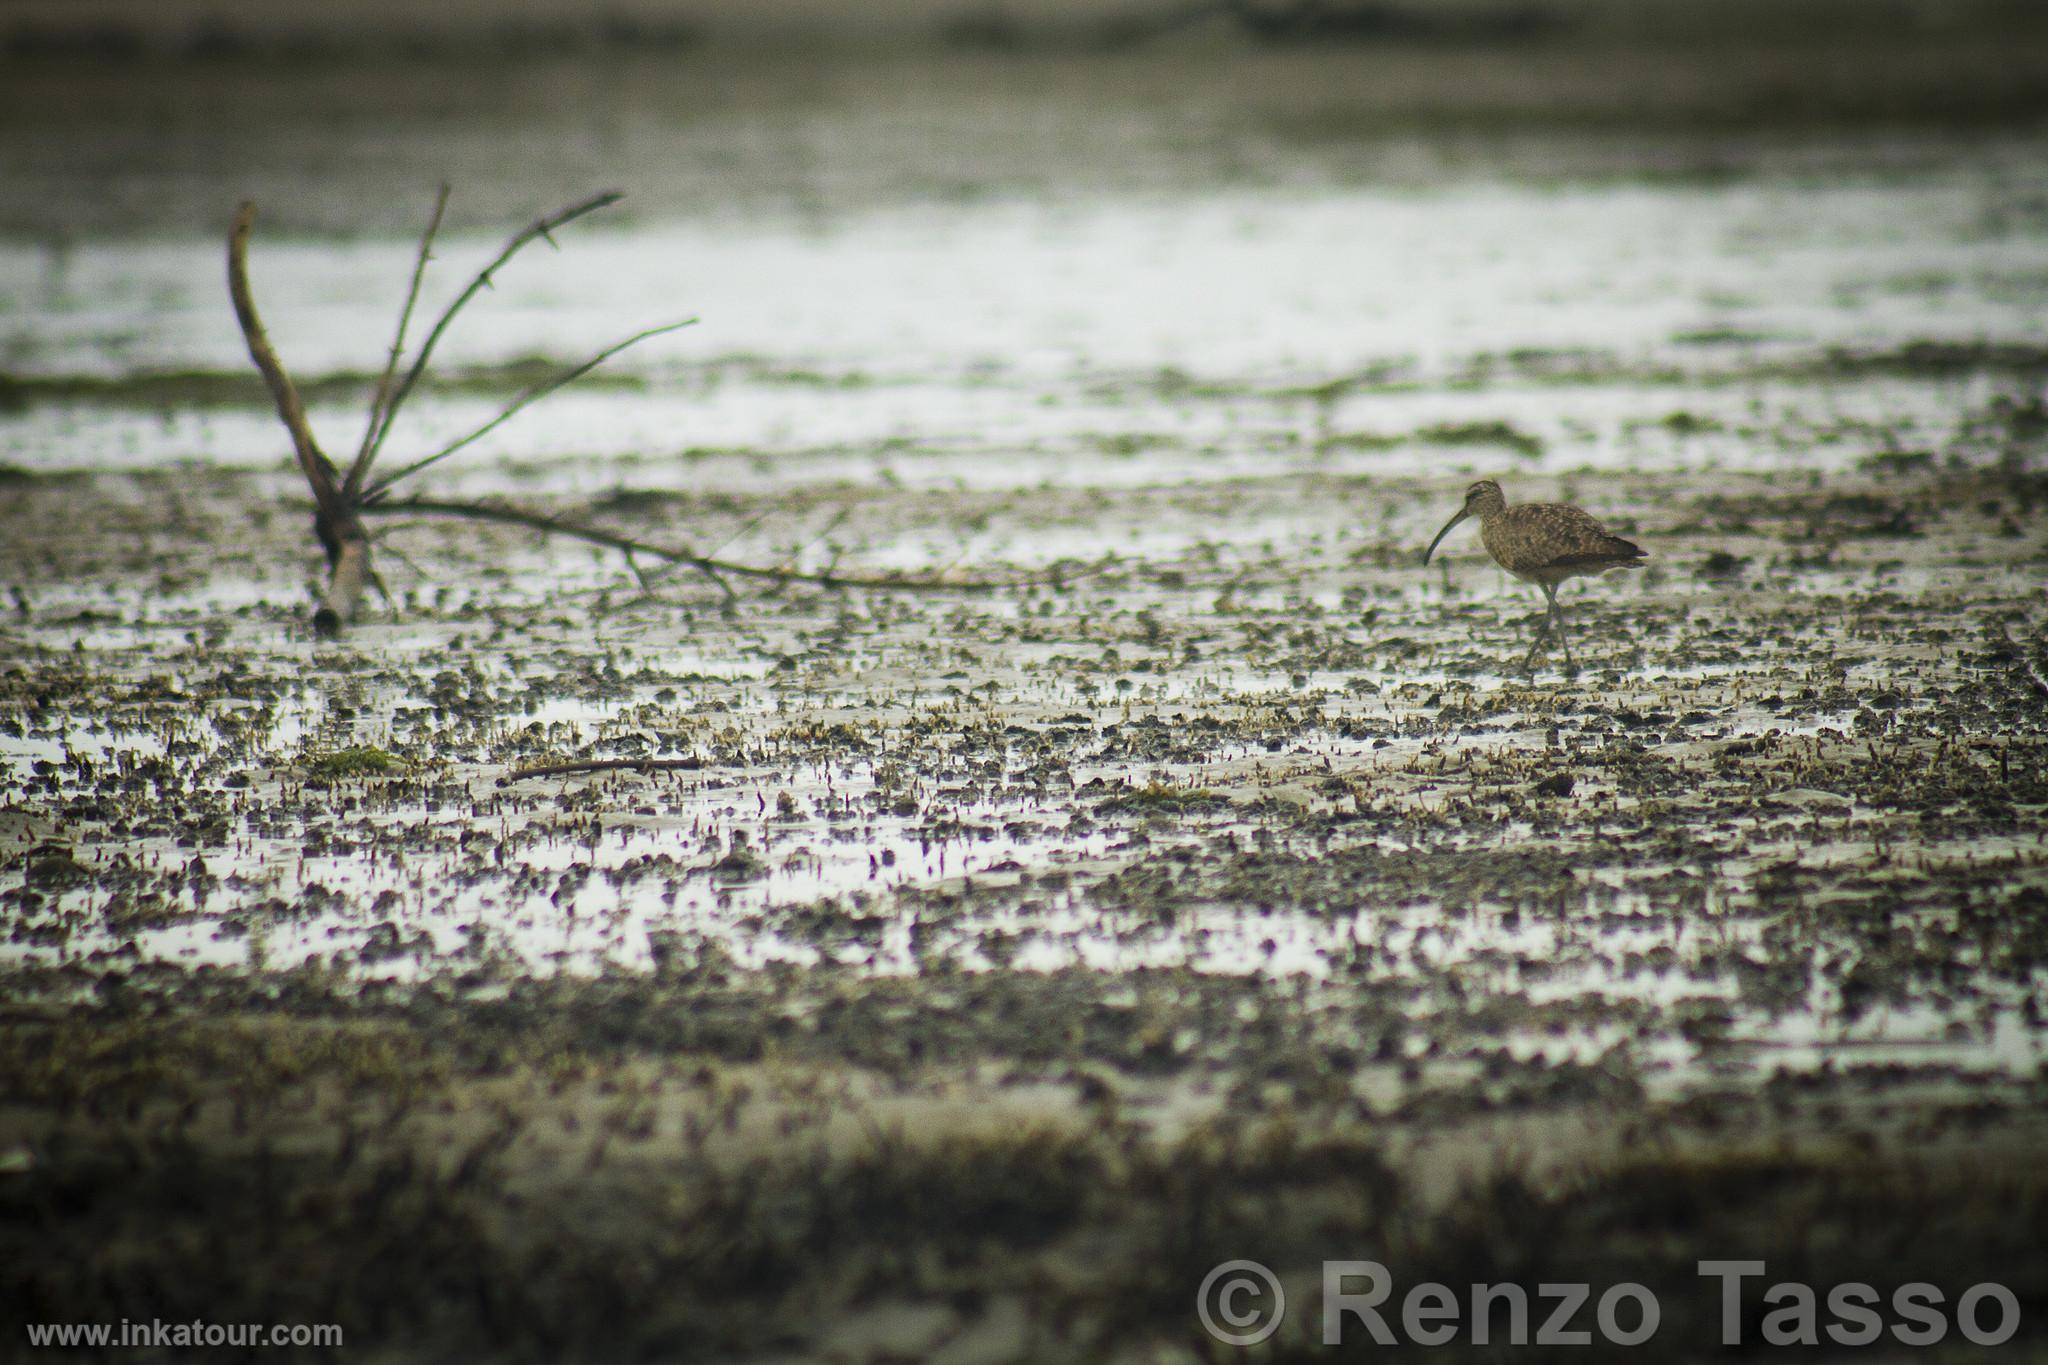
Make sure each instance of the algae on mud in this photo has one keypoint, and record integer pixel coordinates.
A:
(998, 965)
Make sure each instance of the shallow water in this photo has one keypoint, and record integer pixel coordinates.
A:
(1226, 328)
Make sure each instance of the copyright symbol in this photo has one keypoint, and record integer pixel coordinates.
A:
(1240, 1303)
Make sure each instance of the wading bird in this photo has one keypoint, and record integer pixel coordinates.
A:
(1542, 543)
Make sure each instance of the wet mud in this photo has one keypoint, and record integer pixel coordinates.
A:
(981, 967)
(1122, 922)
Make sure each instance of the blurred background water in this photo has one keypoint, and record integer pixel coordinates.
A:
(1028, 229)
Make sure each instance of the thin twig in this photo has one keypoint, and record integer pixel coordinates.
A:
(796, 552)
(318, 469)
(648, 577)
(732, 594)
(542, 228)
(603, 765)
(379, 411)
(751, 523)
(531, 396)
(512, 516)
(418, 570)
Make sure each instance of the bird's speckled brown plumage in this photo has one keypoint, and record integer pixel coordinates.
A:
(1543, 543)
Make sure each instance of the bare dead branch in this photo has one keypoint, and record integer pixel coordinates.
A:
(318, 469)
(334, 513)
(526, 399)
(513, 516)
(603, 765)
(340, 505)
(539, 228)
(379, 410)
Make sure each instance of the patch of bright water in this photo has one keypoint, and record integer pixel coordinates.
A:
(1204, 337)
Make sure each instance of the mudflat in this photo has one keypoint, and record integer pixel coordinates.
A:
(988, 963)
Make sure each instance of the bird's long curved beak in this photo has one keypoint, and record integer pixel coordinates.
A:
(1462, 514)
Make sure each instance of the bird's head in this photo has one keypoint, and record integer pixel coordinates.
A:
(1482, 499)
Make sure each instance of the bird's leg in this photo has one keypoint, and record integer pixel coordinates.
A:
(1555, 622)
(1542, 631)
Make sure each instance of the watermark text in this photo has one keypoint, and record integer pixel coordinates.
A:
(1241, 1303)
(157, 1334)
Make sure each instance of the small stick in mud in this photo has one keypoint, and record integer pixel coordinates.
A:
(603, 765)
(1543, 543)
